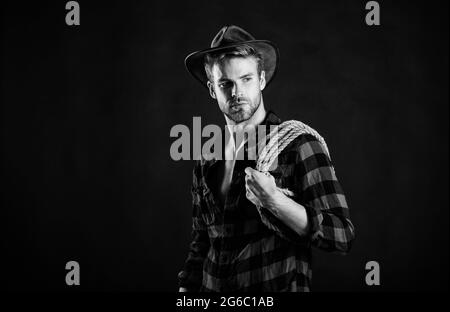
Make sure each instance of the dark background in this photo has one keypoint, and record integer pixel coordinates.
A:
(87, 111)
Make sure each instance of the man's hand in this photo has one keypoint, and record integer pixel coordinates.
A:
(261, 189)
(182, 289)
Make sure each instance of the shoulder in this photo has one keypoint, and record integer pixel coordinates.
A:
(306, 154)
(306, 141)
(307, 145)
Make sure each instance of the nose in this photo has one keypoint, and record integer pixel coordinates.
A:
(236, 91)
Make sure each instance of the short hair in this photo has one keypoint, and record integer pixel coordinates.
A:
(240, 51)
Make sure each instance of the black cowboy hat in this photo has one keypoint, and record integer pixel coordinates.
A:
(228, 37)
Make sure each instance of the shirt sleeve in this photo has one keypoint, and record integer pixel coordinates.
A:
(191, 275)
(317, 189)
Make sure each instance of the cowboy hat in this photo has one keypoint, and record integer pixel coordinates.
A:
(228, 37)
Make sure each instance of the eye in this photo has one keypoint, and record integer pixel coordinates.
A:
(223, 85)
(247, 79)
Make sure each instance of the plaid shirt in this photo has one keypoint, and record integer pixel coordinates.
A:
(232, 250)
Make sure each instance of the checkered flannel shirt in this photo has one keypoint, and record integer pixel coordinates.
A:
(232, 250)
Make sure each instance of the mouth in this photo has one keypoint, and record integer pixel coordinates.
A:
(237, 105)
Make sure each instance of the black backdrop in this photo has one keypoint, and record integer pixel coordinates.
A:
(87, 111)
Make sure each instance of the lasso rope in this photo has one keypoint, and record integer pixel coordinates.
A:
(282, 136)
(279, 138)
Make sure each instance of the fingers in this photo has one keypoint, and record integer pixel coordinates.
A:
(252, 197)
(251, 186)
(249, 171)
(254, 173)
(256, 180)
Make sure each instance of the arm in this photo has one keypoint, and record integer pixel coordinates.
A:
(190, 277)
(262, 191)
(318, 211)
(288, 211)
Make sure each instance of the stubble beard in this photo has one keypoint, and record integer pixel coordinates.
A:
(242, 112)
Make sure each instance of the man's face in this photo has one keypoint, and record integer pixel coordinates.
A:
(237, 87)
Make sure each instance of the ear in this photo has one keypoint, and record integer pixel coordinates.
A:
(211, 89)
(262, 80)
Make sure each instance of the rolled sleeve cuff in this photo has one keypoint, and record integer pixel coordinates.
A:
(315, 218)
(282, 229)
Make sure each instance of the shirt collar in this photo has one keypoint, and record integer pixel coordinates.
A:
(270, 119)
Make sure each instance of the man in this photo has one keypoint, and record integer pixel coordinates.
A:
(231, 248)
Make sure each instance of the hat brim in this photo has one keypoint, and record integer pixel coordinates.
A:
(195, 61)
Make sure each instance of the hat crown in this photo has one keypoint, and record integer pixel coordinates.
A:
(232, 36)
(229, 35)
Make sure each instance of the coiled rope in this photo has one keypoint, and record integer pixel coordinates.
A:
(279, 138)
